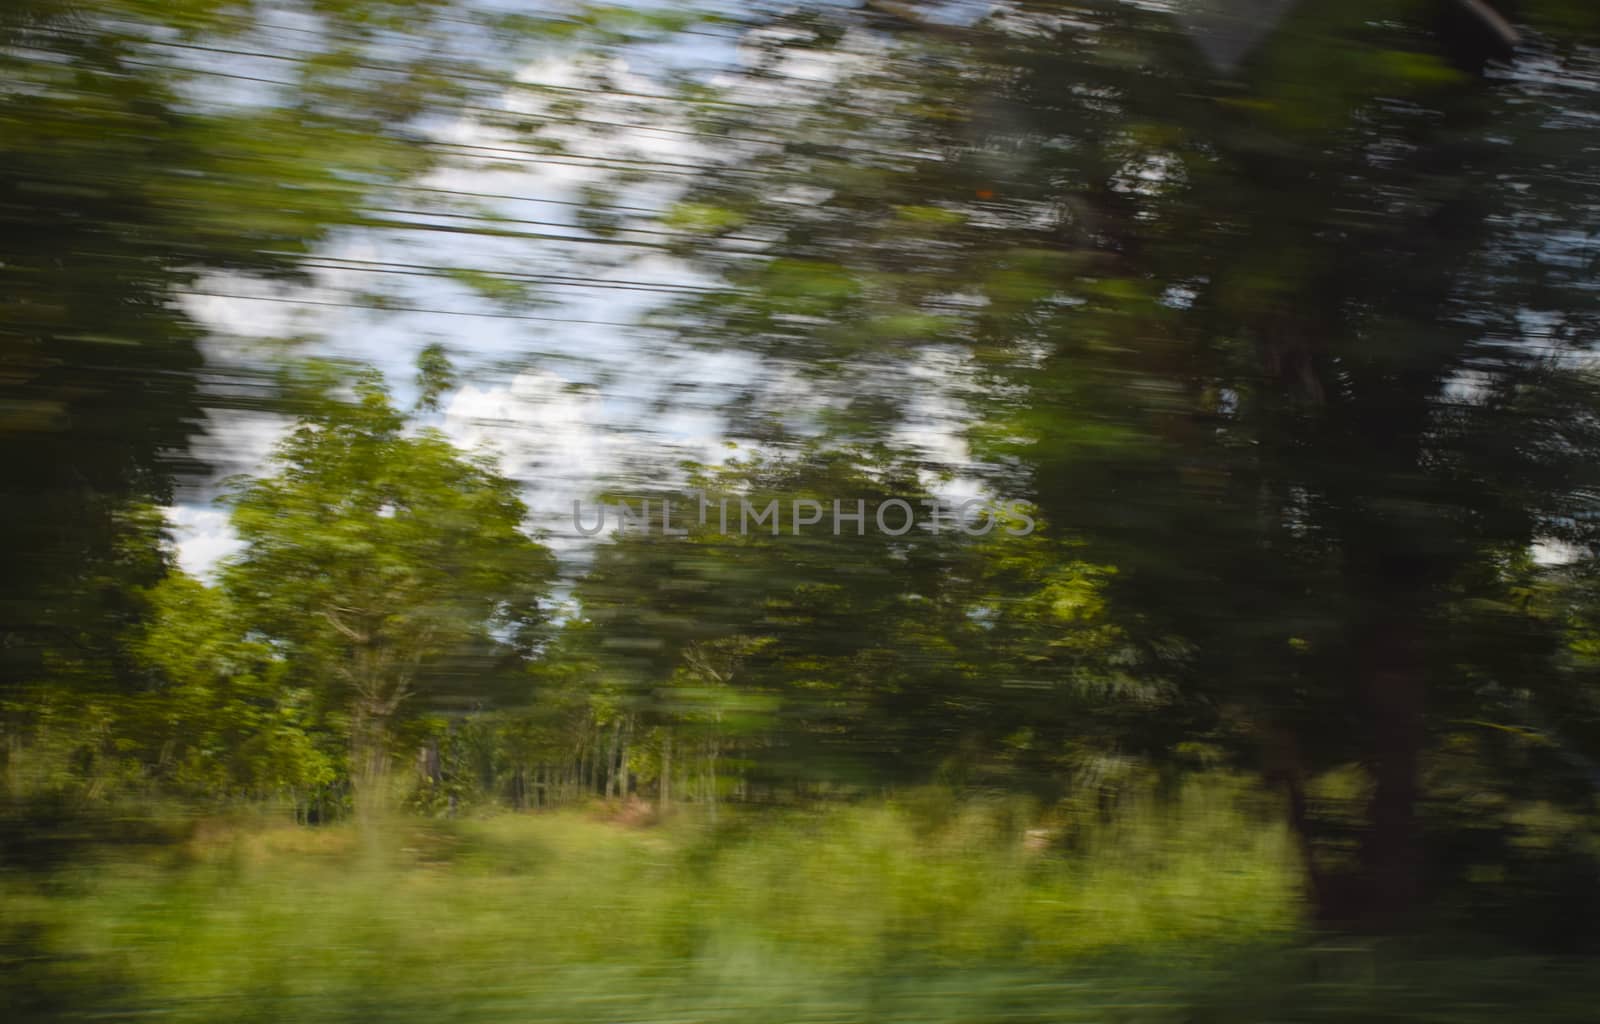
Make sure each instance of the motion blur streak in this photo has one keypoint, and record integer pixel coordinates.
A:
(807, 511)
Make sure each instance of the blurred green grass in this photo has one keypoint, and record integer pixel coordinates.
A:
(893, 911)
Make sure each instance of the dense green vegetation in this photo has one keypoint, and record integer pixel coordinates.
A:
(1268, 692)
(916, 910)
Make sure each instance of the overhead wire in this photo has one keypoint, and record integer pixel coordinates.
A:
(386, 308)
(453, 273)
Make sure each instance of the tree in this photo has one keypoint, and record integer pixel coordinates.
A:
(135, 162)
(1282, 348)
(839, 656)
(226, 719)
(386, 567)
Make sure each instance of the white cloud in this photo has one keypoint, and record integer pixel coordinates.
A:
(566, 441)
(936, 423)
(626, 400)
(233, 304)
(202, 537)
(231, 442)
(549, 434)
(541, 426)
(1549, 551)
(795, 71)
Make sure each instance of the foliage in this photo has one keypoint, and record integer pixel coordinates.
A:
(1288, 361)
(538, 915)
(1289, 355)
(382, 565)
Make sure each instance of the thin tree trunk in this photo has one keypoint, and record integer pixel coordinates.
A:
(665, 793)
(611, 758)
(428, 763)
(711, 780)
(622, 758)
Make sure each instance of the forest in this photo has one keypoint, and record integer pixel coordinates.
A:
(821, 510)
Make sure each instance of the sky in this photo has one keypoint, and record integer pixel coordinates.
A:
(575, 390)
(569, 392)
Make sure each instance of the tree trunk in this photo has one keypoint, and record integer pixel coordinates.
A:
(1392, 853)
(711, 780)
(369, 761)
(665, 790)
(1386, 889)
(1329, 898)
(625, 738)
(428, 763)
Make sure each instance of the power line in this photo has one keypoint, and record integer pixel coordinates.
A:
(506, 153)
(523, 199)
(515, 154)
(465, 76)
(483, 230)
(508, 84)
(492, 218)
(449, 272)
(409, 309)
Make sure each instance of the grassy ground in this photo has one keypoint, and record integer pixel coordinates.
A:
(879, 913)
